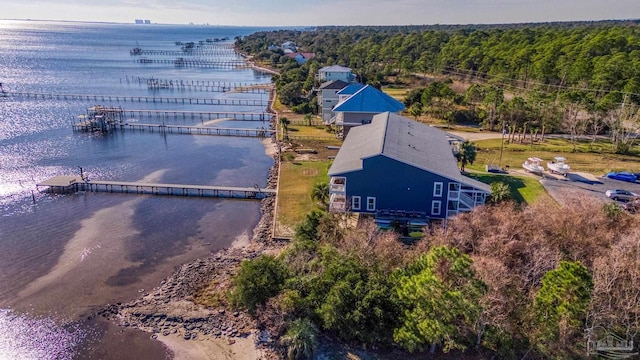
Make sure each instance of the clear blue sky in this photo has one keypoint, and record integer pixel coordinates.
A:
(321, 12)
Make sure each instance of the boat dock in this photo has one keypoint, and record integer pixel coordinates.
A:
(202, 115)
(141, 99)
(176, 129)
(71, 184)
(186, 52)
(211, 86)
(201, 63)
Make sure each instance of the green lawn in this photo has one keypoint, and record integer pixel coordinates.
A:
(294, 194)
(597, 158)
(524, 189)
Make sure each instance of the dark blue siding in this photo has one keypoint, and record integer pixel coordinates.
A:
(396, 186)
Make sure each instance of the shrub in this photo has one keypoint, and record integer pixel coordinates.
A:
(257, 281)
(301, 340)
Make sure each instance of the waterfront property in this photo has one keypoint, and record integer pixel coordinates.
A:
(361, 106)
(398, 168)
(328, 98)
(336, 72)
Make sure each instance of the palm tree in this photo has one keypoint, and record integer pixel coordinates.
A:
(320, 193)
(308, 117)
(284, 122)
(500, 192)
(466, 155)
(300, 340)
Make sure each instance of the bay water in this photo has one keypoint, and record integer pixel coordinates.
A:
(62, 257)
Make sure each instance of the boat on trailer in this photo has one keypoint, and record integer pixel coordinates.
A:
(532, 165)
(559, 166)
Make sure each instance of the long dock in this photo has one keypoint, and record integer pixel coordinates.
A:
(187, 52)
(201, 63)
(202, 115)
(70, 184)
(181, 129)
(141, 99)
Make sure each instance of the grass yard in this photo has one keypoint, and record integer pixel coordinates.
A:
(294, 194)
(524, 189)
(596, 159)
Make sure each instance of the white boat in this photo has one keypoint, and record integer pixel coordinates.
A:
(559, 166)
(532, 165)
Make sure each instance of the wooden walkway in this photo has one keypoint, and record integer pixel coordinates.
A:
(141, 99)
(200, 63)
(187, 52)
(211, 86)
(181, 129)
(71, 184)
(201, 115)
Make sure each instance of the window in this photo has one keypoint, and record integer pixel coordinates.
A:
(371, 203)
(435, 207)
(355, 203)
(437, 189)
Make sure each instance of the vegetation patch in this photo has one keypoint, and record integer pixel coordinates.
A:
(523, 189)
(297, 180)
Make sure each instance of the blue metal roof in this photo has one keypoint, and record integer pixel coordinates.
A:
(404, 140)
(369, 100)
(351, 89)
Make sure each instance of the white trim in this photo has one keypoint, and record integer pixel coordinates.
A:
(355, 199)
(371, 208)
(436, 204)
(438, 185)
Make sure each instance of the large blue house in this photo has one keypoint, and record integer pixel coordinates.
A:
(398, 167)
(359, 104)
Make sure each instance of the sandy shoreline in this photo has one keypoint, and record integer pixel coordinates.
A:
(189, 330)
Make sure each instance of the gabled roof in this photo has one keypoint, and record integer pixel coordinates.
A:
(334, 84)
(335, 68)
(369, 100)
(404, 140)
(351, 89)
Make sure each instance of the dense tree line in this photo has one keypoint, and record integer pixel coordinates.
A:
(504, 280)
(576, 78)
(601, 56)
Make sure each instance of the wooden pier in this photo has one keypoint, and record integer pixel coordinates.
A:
(211, 86)
(177, 129)
(71, 184)
(142, 99)
(200, 63)
(186, 52)
(200, 115)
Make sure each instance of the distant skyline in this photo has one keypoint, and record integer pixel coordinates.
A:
(322, 12)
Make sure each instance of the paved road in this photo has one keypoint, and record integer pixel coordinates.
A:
(576, 184)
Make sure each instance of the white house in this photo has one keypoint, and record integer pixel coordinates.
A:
(336, 72)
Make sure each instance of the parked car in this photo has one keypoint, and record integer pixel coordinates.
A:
(623, 195)
(623, 176)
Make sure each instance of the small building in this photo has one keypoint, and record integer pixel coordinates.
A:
(328, 98)
(336, 72)
(301, 58)
(289, 45)
(395, 168)
(361, 106)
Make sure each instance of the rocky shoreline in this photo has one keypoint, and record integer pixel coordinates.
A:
(171, 309)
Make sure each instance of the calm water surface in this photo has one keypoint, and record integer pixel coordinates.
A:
(62, 257)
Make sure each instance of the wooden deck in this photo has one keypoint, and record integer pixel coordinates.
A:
(72, 184)
(182, 129)
(141, 99)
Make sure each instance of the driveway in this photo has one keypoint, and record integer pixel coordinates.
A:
(576, 184)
